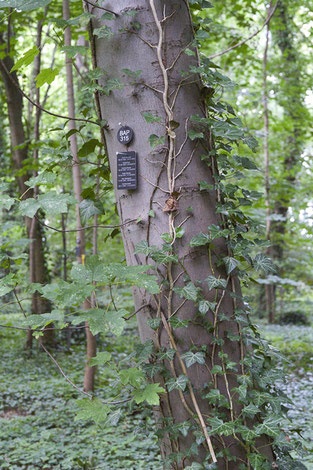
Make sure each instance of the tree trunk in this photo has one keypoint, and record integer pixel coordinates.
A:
(168, 184)
(77, 182)
(269, 288)
(291, 99)
(37, 267)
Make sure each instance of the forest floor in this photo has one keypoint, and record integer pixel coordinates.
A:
(37, 406)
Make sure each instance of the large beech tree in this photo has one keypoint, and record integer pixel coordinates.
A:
(149, 46)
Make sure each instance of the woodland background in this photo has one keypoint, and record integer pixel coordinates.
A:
(263, 69)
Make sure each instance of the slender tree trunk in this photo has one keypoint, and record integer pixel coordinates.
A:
(37, 267)
(77, 182)
(168, 184)
(269, 288)
(291, 99)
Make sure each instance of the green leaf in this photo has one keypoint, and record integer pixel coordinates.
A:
(46, 177)
(72, 51)
(28, 56)
(103, 322)
(219, 427)
(44, 319)
(88, 208)
(177, 384)
(132, 376)
(112, 84)
(216, 370)
(269, 426)
(100, 359)
(216, 231)
(155, 140)
(205, 306)
(189, 292)
(191, 358)
(65, 293)
(230, 263)
(29, 207)
(92, 409)
(46, 76)
(103, 32)
(246, 163)
(53, 203)
(151, 117)
(150, 394)
(200, 240)
(131, 73)
(195, 135)
(6, 201)
(215, 283)
(204, 186)
(24, 5)
(226, 130)
(88, 148)
(263, 263)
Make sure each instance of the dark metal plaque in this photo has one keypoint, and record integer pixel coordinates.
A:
(125, 135)
(127, 171)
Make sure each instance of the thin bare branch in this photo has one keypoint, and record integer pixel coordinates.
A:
(240, 43)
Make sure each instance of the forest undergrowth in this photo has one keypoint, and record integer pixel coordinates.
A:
(37, 406)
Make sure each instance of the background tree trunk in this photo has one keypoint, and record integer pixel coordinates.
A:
(37, 267)
(77, 183)
(168, 184)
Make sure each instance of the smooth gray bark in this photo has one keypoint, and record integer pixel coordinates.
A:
(195, 209)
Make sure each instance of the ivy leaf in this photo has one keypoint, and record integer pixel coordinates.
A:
(230, 263)
(263, 263)
(92, 409)
(217, 232)
(168, 354)
(46, 76)
(155, 140)
(250, 410)
(177, 384)
(257, 461)
(29, 56)
(100, 359)
(269, 426)
(150, 394)
(246, 163)
(220, 427)
(88, 208)
(205, 306)
(226, 130)
(103, 32)
(46, 177)
(189, 292)
(215, 283)
(216, 370)
(133, 74)
(112, 84)
(132, 376)
(200, 240)
(152, 369)
(192, 134)
(150, 118)
(191, 358)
